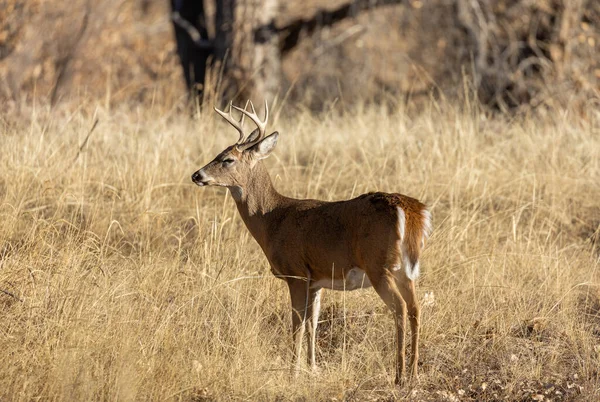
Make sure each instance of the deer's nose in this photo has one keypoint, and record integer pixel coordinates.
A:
(197, 177)
(201, 179)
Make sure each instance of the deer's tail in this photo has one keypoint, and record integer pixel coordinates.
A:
(414, 229)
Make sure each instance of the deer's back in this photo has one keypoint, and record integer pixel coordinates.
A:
(333, 237)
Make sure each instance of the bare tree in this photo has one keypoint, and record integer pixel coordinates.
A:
(523, 52)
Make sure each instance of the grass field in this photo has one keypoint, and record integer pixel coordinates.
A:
(121, 280)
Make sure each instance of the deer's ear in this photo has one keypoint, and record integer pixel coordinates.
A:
(264, 148)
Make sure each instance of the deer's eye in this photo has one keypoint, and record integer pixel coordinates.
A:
(228, 162)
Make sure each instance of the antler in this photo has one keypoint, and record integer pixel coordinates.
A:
(238, 125)
(262, 125)
(252, 138)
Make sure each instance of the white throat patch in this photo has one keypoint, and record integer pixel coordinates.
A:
(236, 192)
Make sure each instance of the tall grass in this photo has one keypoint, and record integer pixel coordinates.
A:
(121, 280)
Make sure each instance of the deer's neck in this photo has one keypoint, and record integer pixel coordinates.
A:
(256, 200)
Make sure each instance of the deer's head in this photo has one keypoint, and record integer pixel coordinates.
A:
(233, 166)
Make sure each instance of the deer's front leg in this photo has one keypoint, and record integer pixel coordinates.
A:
(314, 306)
(299, 294)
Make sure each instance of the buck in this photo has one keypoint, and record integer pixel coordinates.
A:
(372, 240)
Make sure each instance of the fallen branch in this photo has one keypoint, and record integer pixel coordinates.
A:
(6, 292)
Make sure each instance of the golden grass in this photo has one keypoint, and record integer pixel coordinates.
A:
(121, 280)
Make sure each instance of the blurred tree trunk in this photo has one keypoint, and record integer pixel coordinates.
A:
(245, 54)
(255, 55)
(193, 45)
(246, 65)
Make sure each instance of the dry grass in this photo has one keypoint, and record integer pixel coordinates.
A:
(127, 282)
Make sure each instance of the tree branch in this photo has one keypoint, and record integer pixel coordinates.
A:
(191, 30)
(290, 33)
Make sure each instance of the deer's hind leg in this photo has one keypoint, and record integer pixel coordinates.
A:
(384, 283)
(407, 290)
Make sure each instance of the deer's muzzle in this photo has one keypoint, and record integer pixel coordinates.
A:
(201, 179)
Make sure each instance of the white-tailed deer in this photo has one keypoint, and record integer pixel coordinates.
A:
(372, 240)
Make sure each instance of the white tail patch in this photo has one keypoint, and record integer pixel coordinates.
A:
(411, 271)
(401, 224)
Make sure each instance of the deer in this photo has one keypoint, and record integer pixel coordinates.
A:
(373, 240)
